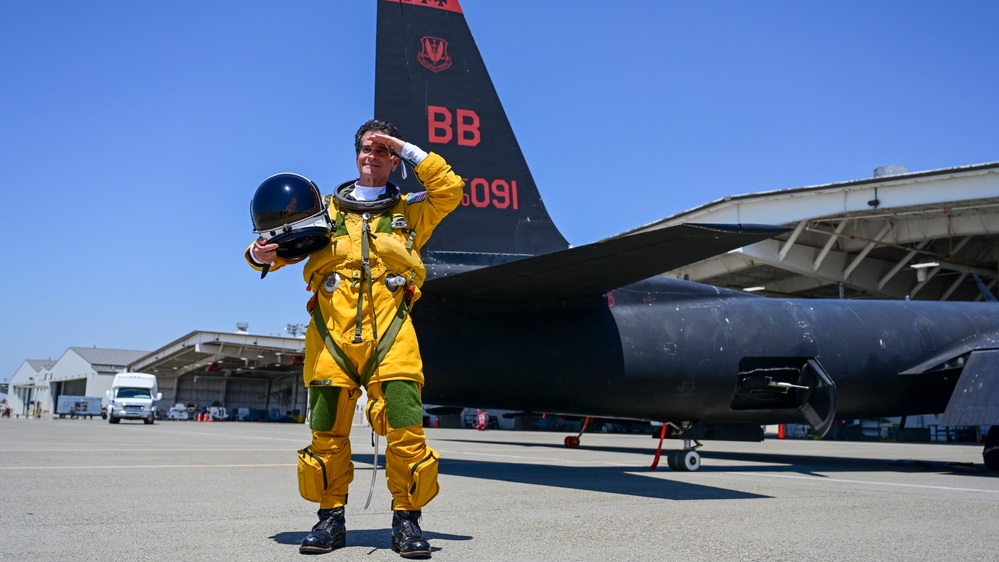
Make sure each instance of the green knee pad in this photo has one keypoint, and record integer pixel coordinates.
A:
(322, 403)
(403, 404)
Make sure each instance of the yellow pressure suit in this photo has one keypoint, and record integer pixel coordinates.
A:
(337, 278)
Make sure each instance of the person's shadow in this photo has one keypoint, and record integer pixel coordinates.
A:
(376, 539)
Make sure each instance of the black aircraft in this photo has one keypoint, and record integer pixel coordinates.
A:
(513, 318)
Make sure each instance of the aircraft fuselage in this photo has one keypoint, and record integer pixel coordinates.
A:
(672, 350)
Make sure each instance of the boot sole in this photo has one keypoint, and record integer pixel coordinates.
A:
(314, 550)
(322, 549)
(414, 554)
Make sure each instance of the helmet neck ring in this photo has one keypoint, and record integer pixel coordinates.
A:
(342, 195)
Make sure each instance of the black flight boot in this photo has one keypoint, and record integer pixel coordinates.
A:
(407, 537)
(329, 533)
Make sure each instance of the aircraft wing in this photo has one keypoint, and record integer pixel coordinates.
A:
(976, 395)
(602, 266)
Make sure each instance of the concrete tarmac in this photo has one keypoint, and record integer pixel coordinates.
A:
(88, 490)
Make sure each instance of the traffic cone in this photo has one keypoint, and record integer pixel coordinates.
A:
(780, 431)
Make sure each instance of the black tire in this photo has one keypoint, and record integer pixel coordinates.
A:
(671, 459)
(112, 419)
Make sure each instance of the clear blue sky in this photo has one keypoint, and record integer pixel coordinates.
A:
(133, 133)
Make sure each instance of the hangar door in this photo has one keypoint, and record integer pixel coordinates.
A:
(235, 393)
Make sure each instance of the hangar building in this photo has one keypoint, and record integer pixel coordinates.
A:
(81, 371)
(923, 235)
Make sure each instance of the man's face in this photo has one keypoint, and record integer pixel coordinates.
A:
(374, 163)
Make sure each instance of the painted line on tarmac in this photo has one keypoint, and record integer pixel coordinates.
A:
(870, 483)
(178, 449)
(230, 436)
(538, 459)
(146, 466)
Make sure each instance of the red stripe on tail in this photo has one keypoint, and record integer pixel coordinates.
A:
(449, 5)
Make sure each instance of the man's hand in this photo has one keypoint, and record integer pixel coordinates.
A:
(393, 143)
(263, 252)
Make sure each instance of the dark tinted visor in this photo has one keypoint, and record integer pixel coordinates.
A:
(283, 199)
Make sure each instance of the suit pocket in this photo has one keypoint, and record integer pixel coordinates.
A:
(313, 476)
(423, 475)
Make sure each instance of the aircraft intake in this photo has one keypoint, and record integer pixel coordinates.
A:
(779, 383)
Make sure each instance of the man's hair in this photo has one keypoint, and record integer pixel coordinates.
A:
(374, 125)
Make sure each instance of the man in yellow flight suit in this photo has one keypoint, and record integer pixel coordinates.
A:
(364, 282)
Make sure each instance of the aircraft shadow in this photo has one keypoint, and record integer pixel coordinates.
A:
(775, 462)
(609, 479)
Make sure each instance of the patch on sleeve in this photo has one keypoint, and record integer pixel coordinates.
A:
(415, 197)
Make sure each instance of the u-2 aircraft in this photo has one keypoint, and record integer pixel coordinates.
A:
(514, 318)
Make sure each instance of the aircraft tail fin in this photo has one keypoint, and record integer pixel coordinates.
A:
(431, 82)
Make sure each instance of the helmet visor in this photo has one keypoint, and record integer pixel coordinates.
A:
(284, 199)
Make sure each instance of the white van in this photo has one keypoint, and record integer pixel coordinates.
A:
(133, 396)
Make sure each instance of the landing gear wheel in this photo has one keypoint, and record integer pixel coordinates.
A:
(671, 459)
(689, 460)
